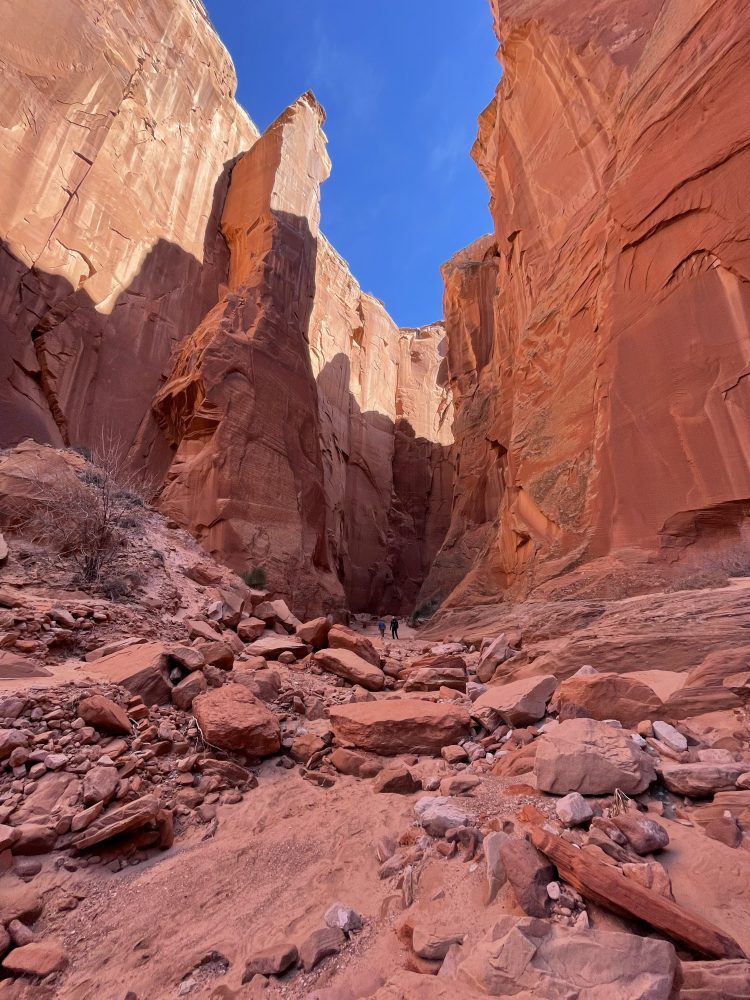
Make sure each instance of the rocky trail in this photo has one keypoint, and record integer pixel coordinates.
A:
(222, 801)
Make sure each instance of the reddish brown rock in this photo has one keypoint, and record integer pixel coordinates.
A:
(250, 629)
(111, 257)
(341, 637)
(614, 262)
(38, 958)
(315, 632)
(142, 669)
(399, 726)
(606, 696)
(517, 703)
(347, 664)
(105, 715)
(184, 693)
(232, 718)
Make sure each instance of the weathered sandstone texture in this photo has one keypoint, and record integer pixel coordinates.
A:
(310, 432)
(598, 341)
(118, 129)
(298, 427)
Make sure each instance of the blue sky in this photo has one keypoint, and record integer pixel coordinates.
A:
(402, 82)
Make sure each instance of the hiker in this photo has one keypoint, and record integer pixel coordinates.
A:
(394, 627)
(381, 628)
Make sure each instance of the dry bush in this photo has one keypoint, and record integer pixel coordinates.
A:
(89, 515)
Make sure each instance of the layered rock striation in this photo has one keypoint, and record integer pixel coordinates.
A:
(599, 340)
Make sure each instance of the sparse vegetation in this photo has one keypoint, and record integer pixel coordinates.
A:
(257, 578)
(89, 515)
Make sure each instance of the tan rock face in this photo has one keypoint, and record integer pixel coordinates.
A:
(118, 123)
(600, 413)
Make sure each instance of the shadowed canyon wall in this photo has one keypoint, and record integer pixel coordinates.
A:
(289, 404)
(161, 285)
(117, 128)
(599, 342)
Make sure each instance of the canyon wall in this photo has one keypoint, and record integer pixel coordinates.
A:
(205, 323)
(118, 128)
(600, 340)
(311, 434)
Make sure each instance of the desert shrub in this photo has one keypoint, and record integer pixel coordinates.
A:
(257, 578)
(88, 516)
(114, 588)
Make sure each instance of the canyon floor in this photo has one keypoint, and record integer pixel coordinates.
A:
(202, 796)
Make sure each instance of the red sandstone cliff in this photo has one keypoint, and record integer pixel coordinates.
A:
(118, 126)
(599, 349)
(306, 424)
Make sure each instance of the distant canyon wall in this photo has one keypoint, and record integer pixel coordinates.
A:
(312, 435)
(599, 341)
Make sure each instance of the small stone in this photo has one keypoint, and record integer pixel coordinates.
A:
(573, 809)
(344, 917)
(272, 961)
(319, 945)
(40, 958)
(397, 780)
(671, 736)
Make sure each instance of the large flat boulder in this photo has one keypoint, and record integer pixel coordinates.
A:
(537, 958)
(341, 637)
(315, 632)
(142, 669)
(700, 781)
(607, 696)
(590, 757)
(124, 819)
(232, 718)
(516, 704)
(406, 725)
(272, 646)
(347, 664)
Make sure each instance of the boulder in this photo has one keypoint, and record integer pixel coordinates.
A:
(269, 646)
(105, 715)
(496, 873)
(39, 958)
(231, 718)
(315, 632)
(438, 814)
(277, 611)
(536, 958)
(497, 652)
(264, 683)
(397, 780)
(436, 672)
(188, 690)
(459, 784)
(529, 874)
(250, 629)
(606, 696)
(516, 704)
(667, 734)
(34, 838)
(357, 764)
(573, 809)
(432, 944)
(188, 658)
(700, 781)
(272, 961)
(586, 756)
(100, 785)
(392, 727)
(320, 944)
(347, 664)
(341, 637)
(218, 654)
(644, 835)
(142, 669)
(10, 740)
(141, 812)
(3, 549)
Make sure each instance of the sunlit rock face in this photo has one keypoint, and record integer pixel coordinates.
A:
(599, 343)
(311, 434)
(118, 126)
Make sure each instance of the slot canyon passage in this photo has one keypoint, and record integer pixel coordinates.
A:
(222, 463)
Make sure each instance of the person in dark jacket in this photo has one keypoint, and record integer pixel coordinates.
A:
(394, 627)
